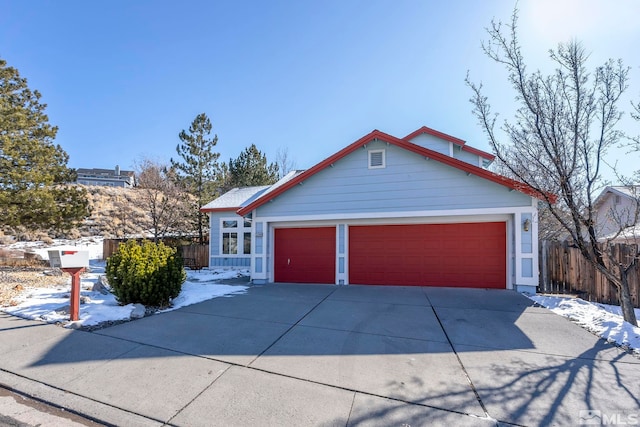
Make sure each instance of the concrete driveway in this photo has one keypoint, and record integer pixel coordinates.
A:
(326, 355)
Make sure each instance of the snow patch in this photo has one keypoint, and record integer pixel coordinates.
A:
(52, 304)
(602, 319)
(91, 244)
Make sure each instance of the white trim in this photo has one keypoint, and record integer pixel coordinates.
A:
(210, 234)
(512, 258)
(346, 254)
(393, 221)
(396, 214)
(512, 217)
(511, 255)
(384, 159)
(336, 261)
(240, 230)
(517, 225)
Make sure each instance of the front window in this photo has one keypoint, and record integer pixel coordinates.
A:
(247, 243)
(235, 237)
(229, 243)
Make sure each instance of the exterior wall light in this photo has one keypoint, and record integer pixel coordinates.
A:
(526, 224)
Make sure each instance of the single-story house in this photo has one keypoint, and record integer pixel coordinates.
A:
(616, 214)
(420, 210)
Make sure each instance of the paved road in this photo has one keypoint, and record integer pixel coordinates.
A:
(326, 355)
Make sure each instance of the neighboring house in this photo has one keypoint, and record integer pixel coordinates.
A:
(616, 215)
(420, 210)
(107, 177)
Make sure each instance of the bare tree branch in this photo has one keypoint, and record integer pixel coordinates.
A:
(556, 143)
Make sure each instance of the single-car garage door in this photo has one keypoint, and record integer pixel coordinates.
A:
(305, 255)
(462, 255)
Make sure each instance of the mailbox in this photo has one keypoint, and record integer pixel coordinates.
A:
(68, 258)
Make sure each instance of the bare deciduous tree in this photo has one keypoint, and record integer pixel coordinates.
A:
(121, 220)
(558, 140)
(165, 203)
(284, 162)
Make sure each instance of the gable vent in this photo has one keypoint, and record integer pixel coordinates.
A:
(376, 159)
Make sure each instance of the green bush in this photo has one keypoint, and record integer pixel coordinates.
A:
(148, 273)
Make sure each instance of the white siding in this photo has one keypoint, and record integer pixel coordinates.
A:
(466, 156)
(432, 143)
(610, 215)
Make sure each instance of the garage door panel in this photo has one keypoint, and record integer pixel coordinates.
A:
(464, 255)
(305, 255)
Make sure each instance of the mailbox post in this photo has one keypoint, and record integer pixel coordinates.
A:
(74, 263)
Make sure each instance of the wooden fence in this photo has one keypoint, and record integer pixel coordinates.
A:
(563, 270)
(195, 256)
(198, 255)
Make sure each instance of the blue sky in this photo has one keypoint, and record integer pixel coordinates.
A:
(122, 78)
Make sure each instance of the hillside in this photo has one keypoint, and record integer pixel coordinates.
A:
(115, 213)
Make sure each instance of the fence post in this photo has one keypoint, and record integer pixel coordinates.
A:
(544, 276)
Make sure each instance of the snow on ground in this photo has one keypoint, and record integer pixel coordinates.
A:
(91, 244)
(52, 304)
(604, 320)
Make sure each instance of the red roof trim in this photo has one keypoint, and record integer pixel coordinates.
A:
(480, 153)
(310, 172)
(219, 209)
(434, 132)
(402, 143)
(449, 138)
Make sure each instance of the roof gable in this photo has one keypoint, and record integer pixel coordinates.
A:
(629, 192)
(402, 143)
(457, 141)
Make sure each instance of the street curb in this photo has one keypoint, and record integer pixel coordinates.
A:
(88, 408)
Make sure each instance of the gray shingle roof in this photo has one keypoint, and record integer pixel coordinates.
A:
(236, 197)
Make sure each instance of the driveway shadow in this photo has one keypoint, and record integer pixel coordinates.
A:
(402, 351)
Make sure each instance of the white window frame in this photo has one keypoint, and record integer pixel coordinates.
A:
(241, 230)
(384, 159)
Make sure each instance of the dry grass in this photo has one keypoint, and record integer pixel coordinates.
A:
(14, 281)
(20, 270)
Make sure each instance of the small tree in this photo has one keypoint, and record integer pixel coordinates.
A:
(148, 273)
(165, 203)
(197, 171)
(284, 162)
(564, 124)
(251, 168)
(33, 171)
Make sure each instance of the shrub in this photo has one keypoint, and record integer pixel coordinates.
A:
(148, 273)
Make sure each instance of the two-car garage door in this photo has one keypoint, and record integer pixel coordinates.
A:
(465, 255)
(462, 255)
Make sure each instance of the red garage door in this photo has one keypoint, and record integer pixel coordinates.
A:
(305, 255)
(465, 255)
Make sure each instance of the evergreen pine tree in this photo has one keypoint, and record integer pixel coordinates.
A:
(250, 168)
(33, 171)
(198, 167)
